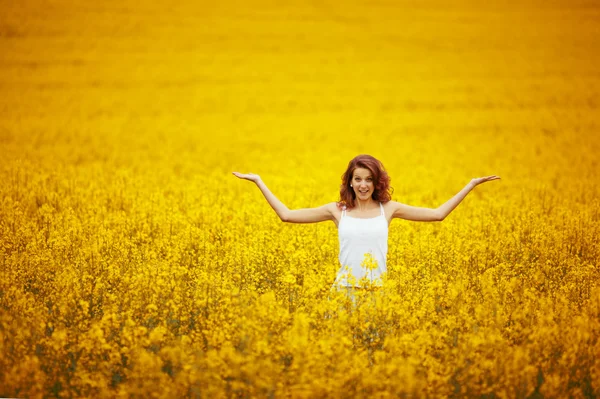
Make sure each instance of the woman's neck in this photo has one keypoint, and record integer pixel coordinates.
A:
(364, 205)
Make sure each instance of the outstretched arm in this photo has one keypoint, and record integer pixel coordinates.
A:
(438, 214)
(306, 215)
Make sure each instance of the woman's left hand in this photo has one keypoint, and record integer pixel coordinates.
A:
(480, 180)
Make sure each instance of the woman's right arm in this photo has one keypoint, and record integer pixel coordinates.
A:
(306, 215)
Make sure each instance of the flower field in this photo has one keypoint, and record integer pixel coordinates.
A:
(134, 264)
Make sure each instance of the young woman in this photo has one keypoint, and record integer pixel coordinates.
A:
(362, 216)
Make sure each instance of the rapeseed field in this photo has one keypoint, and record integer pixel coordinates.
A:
(133, 264)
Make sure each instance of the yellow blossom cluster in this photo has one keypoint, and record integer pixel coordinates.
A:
(134, 264)
(114, 286)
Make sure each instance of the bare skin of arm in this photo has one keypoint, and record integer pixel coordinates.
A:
(438, 214)
(305, 215)
(398, 210)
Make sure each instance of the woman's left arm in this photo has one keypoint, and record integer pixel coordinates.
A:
(445, 209)
(438, 214)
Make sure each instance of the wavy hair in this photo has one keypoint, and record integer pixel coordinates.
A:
(382, 191)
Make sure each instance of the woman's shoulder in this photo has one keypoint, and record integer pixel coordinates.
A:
(391, 205)
(340, 206)
(331, 207)
(336, 206)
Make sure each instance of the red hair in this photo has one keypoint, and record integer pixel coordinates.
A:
(382, 191)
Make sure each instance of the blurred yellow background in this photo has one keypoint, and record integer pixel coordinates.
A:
(132, 259)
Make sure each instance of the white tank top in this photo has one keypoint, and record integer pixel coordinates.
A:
(358, 237)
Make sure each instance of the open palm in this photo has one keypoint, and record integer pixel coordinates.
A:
(247, 176)
(480, 180)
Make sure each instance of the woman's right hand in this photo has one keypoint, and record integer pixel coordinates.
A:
(248, 176)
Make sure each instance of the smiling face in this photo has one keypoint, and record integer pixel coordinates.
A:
(362, 183)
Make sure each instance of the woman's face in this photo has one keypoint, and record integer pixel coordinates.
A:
(362, 183)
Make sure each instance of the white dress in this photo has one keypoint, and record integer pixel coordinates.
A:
(358, 237)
